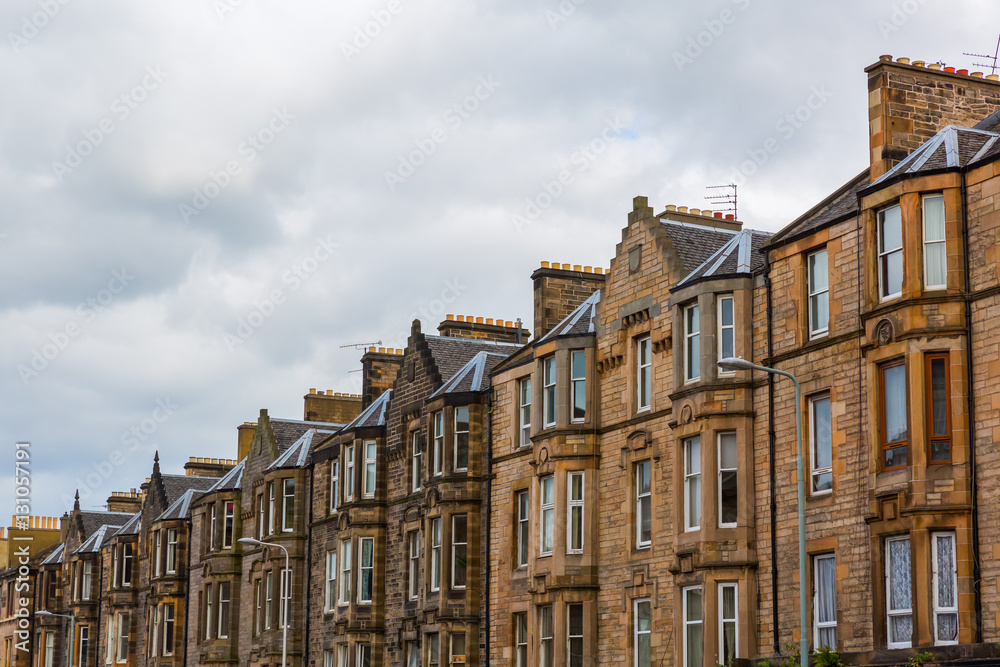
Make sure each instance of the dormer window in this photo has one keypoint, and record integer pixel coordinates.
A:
(935, 253)
(890, 253)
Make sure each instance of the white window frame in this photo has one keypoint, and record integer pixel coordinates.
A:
(637, 634)
(520, 639)
(437, 448)
(212, 526)
(736, 471)
(370, 482)
(330, 588)
(523, 507)
(334, 486)
(114, 567)
(549, 391)
(685, 623)
(723, 328)
(366, 569)
(936, 574)
(813, 292)
(455, 437)
(575, 506)
(228, 523)
(287, 505)
(261, 502)
(690, 335)
(343, 655)
(413, 584)
(171, 551)
(692, 491)
(735, 620)
(258, 590)
(159, 552)
(574, 380)
(268, 599)
(883, 254)
(168, 644)
(934, 242)
(891, 613)
(271, 508)
(814, 471)
(524, 392)
(546, 639)
(416, 458)
(643, 503)
(109, 649)
(817, 624)
(345, 572)
(644, 374)
(225, 598)
(285, 592)
(83, 645)
(455, 657)
(455, 544)
(348, 472)
(122, 623)
(209, 607)
(435, 572)
(546, 515)
(127, 553)
(362, 649)
(88, 579)
(569, 630)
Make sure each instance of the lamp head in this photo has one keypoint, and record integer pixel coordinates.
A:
(249, 541)
(735, 364)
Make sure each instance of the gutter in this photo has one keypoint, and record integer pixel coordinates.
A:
(771, 440)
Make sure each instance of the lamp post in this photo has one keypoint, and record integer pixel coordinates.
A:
(286, 594)
(740, 364)
(72, 629)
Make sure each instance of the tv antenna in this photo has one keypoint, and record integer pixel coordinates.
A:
(727, 201)
(994, 57)
(362, 346)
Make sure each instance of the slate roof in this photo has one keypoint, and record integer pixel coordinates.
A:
(450, 354)
(231, 480)
(55, 558)
(473, 376)
(374, 414)
(740, 255)
(288, 431)
(177, 485)
(297, 455)
(94, 542)
(841, 204)
(132, 527)
(694, 243)
(579, 322)
(181, 508)
(92, 521)
(952, 147)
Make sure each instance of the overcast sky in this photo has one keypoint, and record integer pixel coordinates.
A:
(202, 201)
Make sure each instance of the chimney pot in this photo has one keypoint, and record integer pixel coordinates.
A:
(935, 66)
(917, 63)
(381, 350)
(977, 75)
(479, 320)
(329, 392)
(885, 58)
(545, 265)
(577, 267)
(706, 213)
(718, 214)
(950, 70)
(599, 270)
(565, 267)
(963, 72)
(588, 269)
(671, 208)
(489, 320)
(449, 318)
(682, 209)
(903, 61)
(730, 216)
(312, 390)
(371, 349)
(694, 211)
(993, 77)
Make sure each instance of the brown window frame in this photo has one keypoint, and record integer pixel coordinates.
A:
(882, 420)
(929, 399)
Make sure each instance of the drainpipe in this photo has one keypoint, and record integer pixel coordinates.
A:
(973, 482)
(306, 575)
(489, 506)
(187, 589)
(100, 583)
(771, 440)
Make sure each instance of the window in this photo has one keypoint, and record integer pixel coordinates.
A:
(370, 468)
(50, 649)
(329, 659)
(271, 508)
(438, 447)
(521, 639)
(342, 653)
(435, 554)
(458, 647)
(223, 610)
(643, 505)
(288, 505)
(461, 439)
(268, 599)
(894, 415)
(171, 551)
(821, 444)
(728, 484)
(578, 385)
(728, 625)
(127, 564)
(412, 654)
(898, 592)
(825, 601)
(366, 570)
(345, 572)
(334, 485)
(819, 294)
(227, 526)
(159, 552)
(938, 407)
(574, 520)
(546, 521)
(212, 525)
(727, 330)
(83, 646)
(574, 635)
(260, 517)
(692, 482)
(890, 253)
(692, 344)
(525, 385)
(545, 642)
(935, 253)
(284, 617)
(644, 383)
(114, 568)
(433, 653)
(414, 573)
(691, 614)
(122, 628)
(945, 587)
(258, 604)
(168, 629)
(209, 606)
(330, 592)
(549, 391)
(459, 550)
(364, 655)
(349, 472)
(523, 521)
(643, 624)
(416, 455)
(154, 622)
(87, 570)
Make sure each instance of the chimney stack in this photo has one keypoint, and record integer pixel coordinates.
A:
(330, 406)
(483, 328)
(379, 367)
(559, 288)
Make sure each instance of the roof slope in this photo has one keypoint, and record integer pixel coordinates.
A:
(132, 527)
(177, 485)
(694, 243)
(181, 508)
(92, 521)
(952, 147)
(95, 541)
(287, 432)
(740, 255)
(473, 376)
(450, 354)
(374, 414)
(577, 323)
(231, 480)
(297, 455)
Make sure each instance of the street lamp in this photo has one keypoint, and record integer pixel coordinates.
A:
(740, 364)
(72, 629)
(285, 594)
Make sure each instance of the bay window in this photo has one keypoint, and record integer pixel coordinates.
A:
(728, 483)
(935, 250)
(938, 407)
(578, 386)
(898, 592)
(549, 391)
(461, 444)
(692, 344)
(890, 253)
(894, 415)
(692, 482)
(945, 588)
(546, 519)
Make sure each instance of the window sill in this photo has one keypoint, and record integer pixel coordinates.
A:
(817, 335)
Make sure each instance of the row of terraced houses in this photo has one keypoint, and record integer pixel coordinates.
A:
(595, 489)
